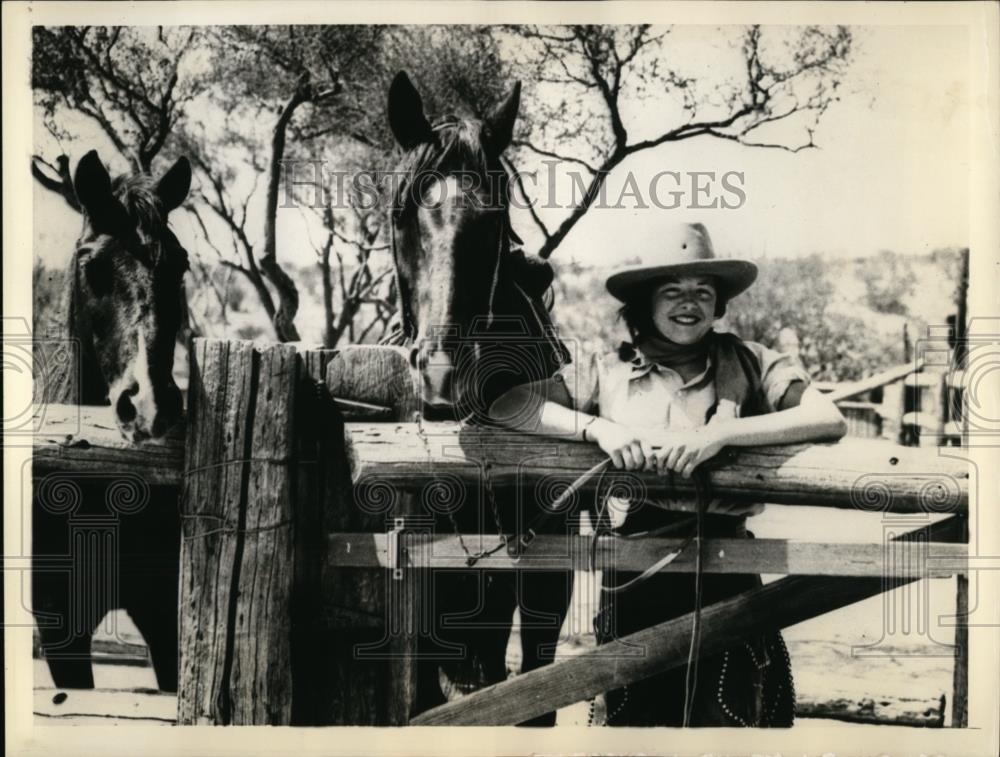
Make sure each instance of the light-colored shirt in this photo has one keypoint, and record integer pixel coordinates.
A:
(641, 394)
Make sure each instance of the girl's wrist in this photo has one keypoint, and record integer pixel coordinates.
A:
(588, 425)
(724, 435)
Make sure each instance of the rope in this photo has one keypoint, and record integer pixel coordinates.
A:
(694, 651)
(703, 492)
(651, 570)
(517, 545)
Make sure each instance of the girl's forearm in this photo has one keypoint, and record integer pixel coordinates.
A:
(526, 408)
(809, 422)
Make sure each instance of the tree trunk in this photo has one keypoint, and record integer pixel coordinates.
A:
(288, 294)
(329, 332)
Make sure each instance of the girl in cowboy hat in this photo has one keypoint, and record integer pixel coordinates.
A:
(671, 399)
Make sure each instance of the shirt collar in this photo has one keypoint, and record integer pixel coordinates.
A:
(642, 366)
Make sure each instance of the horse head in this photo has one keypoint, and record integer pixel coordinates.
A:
(451, 232)
(126, 291)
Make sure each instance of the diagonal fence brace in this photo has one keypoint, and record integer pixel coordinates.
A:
(779, 604)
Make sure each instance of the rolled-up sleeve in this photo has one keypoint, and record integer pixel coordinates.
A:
(778, 371)
(581, 380)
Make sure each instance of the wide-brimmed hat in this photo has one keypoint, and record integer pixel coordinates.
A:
(686, 250)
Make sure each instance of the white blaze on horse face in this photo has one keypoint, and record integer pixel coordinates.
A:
(143, 401)
(439, 218)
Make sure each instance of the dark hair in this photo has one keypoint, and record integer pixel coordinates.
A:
(637, 312)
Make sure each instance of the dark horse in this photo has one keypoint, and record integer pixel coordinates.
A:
(470, 306)
(103, 544)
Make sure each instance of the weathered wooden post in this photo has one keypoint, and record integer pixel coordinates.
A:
(238, 536)
(954, 405)
(270, 633)
(928, 390)
(891, 411)
(370, 658)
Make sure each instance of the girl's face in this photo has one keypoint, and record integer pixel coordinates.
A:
(684, 308)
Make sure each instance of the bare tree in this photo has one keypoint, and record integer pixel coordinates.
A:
(125, 80)
(359, 285)
(262, 70)
(599, 69)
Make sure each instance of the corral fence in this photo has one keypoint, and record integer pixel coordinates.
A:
(305, 488)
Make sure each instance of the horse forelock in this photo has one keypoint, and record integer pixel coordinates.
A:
(137, 193)
(457, 148)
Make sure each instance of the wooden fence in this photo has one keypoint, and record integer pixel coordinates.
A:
(305, 536)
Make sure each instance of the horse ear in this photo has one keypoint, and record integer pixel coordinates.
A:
(500, 122)
(173, 187)
(409, 125)
(92, 185)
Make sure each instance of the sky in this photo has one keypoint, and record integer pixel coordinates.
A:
(891, 170)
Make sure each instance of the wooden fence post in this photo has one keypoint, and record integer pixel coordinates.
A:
(953, 393)
(369, 658)
(315, 436)
(960, 675)
(892, 411)
(238, 510)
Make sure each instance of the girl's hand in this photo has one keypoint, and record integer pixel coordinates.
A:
(626, 447)
(683, 451)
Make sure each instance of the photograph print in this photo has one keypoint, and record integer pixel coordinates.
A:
(507, 370)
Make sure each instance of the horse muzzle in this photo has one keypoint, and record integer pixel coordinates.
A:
(139, 418)
(438, 368)
(437, 383)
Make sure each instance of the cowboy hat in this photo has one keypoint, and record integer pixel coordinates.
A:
(686, 251)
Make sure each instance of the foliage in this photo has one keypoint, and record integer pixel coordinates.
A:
(589, 81)
(132, 82)
(834, 346)
(888, 281)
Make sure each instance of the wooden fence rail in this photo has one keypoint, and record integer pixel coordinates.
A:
(287, 569)
(853, 389)
(872, 475)
(573, 552)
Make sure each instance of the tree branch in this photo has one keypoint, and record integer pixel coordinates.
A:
(550, 154)
(519, 183)
(63, 186)
(608, 92)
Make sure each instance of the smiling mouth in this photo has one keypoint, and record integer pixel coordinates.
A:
(685, 320)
